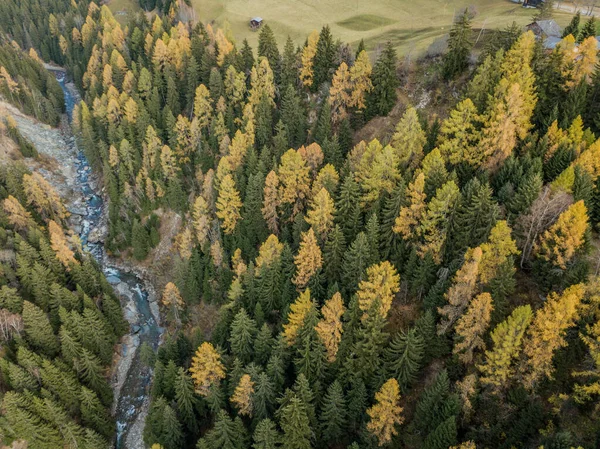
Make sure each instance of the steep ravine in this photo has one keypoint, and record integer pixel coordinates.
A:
(68, 170)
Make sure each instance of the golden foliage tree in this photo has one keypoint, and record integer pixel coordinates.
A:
(459, 134)
(269, 252)
(410, 216)
(202, 106)
(340, 93)
(507, 338)
(360, 80)
(382, 283)
(42, 196)
(377, 171)
(60, 246)
(329, 328)
(207, 369)
(308, 260)
(558, 244)
(496, 251)
(298, 311)
(308, 56)
(171, 299)
(271, 202)
(18, 216)
(201, 219)
(409, 139)
(547, 333)
(386, 414)
(471, 327)
(433, 228)
(228, 204)
(462, 290)
(320, 214)
(294, 180)
(242, 396)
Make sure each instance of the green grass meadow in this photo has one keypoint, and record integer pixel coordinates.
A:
(410, 25)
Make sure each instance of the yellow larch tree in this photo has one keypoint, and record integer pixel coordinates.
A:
(340, 93)
(381, 285)
(507, 339)
(499, 247)
(471, 327)
(59, 244)
(228, 204)
(224, 46)
(360, 80)
(386, 413)
(168, 163)
(516, 69)
(201, 219)
(242, 396)
(589, 160)
(410, 216)
(459, 134)
(320, 214)
(462, 290)
(42, 196)
(207, 369)
(262, 82)
(308, 260)
(500, 131)
(327, 177)
(308, 56)
(313, 155)
(409, 139)
(271, 202)
(294, 180)
(559, 243)
(18, 216)
(269, 252)
(184, 243)
(434, 226)
(298, 311)
(329, 328)
(171, 299)
(235, 86)
(203, 106)
(547, 333)
(377, 172)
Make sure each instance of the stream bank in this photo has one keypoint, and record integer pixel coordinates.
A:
(65, 166)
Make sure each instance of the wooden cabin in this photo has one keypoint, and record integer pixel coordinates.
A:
(256, 23)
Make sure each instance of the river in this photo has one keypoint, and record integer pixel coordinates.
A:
(131, 379)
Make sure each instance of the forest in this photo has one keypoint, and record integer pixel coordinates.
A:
(435, 287)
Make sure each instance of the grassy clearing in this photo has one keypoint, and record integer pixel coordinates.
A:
(123, 9)
(365, 22)
(411, 26)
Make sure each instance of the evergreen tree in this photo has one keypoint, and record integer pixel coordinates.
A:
(588, 30)
(382, 98)
(266, 435)
(267, 47)
(243, 332)
(404, 356)
(295, 425)
(573, 27)
(459, 47)
(333, 413)
(324, 58)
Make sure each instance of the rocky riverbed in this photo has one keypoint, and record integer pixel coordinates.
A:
(64, 165)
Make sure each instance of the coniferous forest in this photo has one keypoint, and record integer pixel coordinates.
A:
(435, 287)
